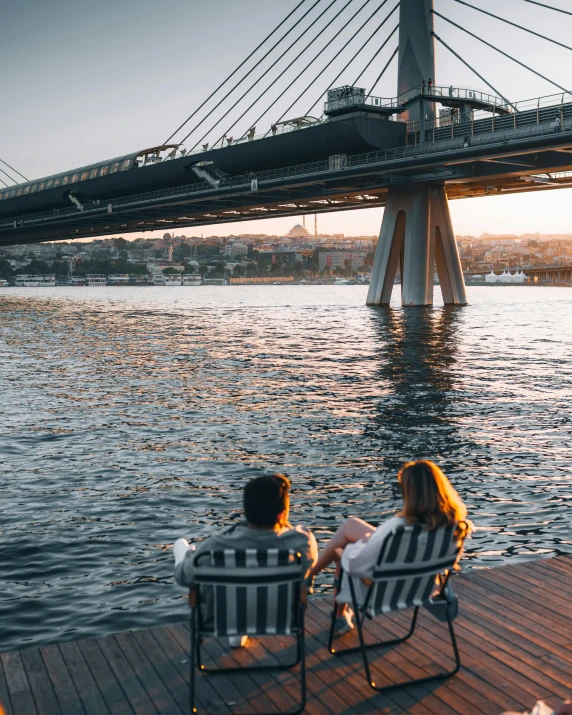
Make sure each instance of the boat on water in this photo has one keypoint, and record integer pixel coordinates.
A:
(192, 279)
(121, 279)
(174, 279)
(31, 281)
(3, 283)
(214, 282)
(96, 279)
(341, 282)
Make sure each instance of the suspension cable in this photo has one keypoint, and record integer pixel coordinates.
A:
(8, 175)
(274, 46)
(494, 47)
(2, 180)
(15, 170)
(472, 69)
(315, 78)
(221, 85)
(383, 71)
(365, 69)
(352, 59)
(550, 7)
(514, 24)
(272, 67)
(299, 75)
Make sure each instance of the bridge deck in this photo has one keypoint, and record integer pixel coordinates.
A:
(501, 159)
(514, 632)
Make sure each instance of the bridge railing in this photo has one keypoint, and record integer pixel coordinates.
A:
(399, 103)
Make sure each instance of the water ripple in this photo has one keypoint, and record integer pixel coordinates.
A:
(131, 416)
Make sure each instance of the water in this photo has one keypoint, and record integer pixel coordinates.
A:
(132, 416)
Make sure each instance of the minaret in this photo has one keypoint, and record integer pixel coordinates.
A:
(315, 225)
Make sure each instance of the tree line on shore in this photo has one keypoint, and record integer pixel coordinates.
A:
(103, 262)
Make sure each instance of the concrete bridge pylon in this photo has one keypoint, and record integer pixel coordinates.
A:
(416, 231)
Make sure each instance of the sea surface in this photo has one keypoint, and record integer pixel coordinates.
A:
(132, 416)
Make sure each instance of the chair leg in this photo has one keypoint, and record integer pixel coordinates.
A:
(359, 614)
(332, 628)
(418, 681)
(192, 666)
(302, 642)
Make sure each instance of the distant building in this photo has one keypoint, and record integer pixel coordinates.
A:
(298, 231)
(337, 259)
(280, 256)
(156, 267)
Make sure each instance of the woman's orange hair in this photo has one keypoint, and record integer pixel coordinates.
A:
(429, 498)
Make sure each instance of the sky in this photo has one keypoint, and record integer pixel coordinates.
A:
(82, 81)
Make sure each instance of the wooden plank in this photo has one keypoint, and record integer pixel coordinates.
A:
(107, 684)
(260, 685)
(512, 632)
(550, 605)
(125, 676)
(282, 695)
(487, 663)
(208, 699)
(518, 608)
(446, 695)
(5, 703)
(39, 680)
(67, 695)
(440, 697)
(249, 694)
(18, 687)
(266, 650)
(349, 670)
(91, 698)
(166, 670)
(156, 690)
(180, 635)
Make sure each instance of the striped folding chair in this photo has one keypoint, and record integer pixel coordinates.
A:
(413, 563)
(247, 592)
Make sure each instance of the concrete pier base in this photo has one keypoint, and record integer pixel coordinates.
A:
(417, 234)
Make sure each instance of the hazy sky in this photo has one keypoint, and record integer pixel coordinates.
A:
(82, 81)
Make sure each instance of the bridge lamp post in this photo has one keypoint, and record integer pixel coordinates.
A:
(416, 231)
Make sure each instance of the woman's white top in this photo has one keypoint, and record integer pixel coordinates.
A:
(360, 558)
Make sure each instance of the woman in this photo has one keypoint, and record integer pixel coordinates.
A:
(428, 500)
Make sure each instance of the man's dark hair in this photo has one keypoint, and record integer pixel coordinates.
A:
(265, 498)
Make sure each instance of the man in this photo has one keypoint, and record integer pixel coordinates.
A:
(266, 526)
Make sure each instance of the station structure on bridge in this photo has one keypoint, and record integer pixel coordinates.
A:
(411, 154)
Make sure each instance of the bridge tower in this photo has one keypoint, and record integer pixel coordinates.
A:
(416, 231)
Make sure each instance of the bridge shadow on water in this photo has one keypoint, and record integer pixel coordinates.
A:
(416, 415)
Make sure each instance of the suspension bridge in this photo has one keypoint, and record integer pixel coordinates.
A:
(411, 153)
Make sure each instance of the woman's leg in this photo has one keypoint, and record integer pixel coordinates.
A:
(349, 532)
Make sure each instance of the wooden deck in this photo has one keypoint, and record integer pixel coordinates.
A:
(514, 631)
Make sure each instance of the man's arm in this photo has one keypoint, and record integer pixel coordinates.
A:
(184, 567)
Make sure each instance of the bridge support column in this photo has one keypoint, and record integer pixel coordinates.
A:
(417, 233)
